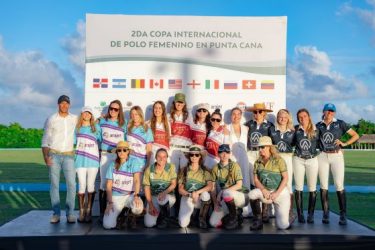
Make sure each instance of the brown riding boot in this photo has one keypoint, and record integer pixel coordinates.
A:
(81, 204)
(90, 203)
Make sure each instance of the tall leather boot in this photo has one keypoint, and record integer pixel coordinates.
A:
(291, 214)
(90, 203)
(162, 218)
(132, 220)
(194, 218)
(325, 205)
(342, 204)
(240, 216)
(312, 201)
(205, 206)
(232, 222)
(121, 219)
(265, 211)
(81, 204)
(102, 203)
(257, 215)
(299, 205)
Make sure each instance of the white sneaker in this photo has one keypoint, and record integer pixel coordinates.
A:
(55, 219)
(71, 218)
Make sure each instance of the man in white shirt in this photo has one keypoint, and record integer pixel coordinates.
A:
(58, 153)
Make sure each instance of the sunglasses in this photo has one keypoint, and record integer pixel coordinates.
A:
(258, 112)
(122, 150)
(215, 120)
(113, 109)
(224, 151)
(194, 155)
(201, 110)
(262, 147)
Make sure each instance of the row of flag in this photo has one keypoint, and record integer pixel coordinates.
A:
(118, 83)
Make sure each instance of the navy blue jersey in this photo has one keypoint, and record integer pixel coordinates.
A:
(283, 141)
(305, 147)
(255, 133)
(328, 134)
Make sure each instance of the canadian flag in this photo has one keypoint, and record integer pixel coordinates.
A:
(156, 84)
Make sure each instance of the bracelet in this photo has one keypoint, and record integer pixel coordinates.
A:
(188, 195)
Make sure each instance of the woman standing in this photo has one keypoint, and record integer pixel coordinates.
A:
(87, 137)
(218, 135)
(160, 128)
(305, 161)
(123, 186)
(114, 128)
(140, 138)
(283, 137)
(331, 130)
(194, 185)
(159, 182)
(271, 178)
(201, 125)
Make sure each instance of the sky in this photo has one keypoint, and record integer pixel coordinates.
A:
(330, 51)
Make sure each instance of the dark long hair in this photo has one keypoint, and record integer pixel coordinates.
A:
(184, 112)
(164, 119)
(121, 117)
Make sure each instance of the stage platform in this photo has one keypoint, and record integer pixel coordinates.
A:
(33, 231)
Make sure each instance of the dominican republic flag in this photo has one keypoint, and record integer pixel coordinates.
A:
(267, 84)
(156, 84)
(100, 83)
(230, 85)
(248, 84)
(175, 84)
(118, 83)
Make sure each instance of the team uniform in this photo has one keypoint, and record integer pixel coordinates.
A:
(225, 177)
(270, 175)
(214, 139)
(198, 134)
(161, 140)
(138, 139)
(180, 141)
(158, 182)
(87, 157)
(192, 181)
(284, 142)
(122, 190)
(255, 132)
(111, 135)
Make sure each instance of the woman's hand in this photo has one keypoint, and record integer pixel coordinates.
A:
(109, 208)
(152, 210)
(266, 194)
(162, 196)
(137, 201)
(274, 195)
(195, 196)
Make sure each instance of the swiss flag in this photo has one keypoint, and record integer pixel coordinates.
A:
(156, 84)
(248, 84)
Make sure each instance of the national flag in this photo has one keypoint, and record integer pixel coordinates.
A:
(100, 83)
(193, 84)
(230, 85)
(156, 84)
(175, 84)
(267, 84)
(248, 84)
(118, 83)
(215, 84)
(138, 83)
(96, 83)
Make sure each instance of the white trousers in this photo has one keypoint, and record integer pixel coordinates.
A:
(288, 158)
(178, 158)
(86, 179)
(187, 207)
(105, 160)
(281, 205)
(337, 164)
(240, 201)
(150, 220)
(119, 202)
(252, 156)
(302, 166)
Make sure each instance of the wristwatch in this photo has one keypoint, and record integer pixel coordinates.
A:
(189, 195)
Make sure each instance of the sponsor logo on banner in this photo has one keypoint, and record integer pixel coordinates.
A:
(230, 85)
(156, 84)
(175, 84)
(212, 84)
(241, 106)
(100, 83)
(248, 84)
(193, 84)
(118, 83)
(267, 84)
(138, 83)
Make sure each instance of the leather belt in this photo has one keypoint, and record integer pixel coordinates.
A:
(68, 153)
(332, 151)
(179, 146)
(105, 151)
(306, 157)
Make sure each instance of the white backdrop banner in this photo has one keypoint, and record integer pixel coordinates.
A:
(223, 61)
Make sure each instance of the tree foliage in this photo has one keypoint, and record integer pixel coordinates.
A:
(14, 136)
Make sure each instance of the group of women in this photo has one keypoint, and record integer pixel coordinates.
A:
(193, 167)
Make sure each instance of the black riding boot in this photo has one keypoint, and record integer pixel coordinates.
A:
(132, 220)
(81, 203)
(342, 204)
(265, 211)
(325, 205)
(162, 221)
(121, 218)
(90, 203)
(299, 205)
(312, 201)
(232, 222)
(203, 214)
(257, 215)
(102, 203)
(291, 214)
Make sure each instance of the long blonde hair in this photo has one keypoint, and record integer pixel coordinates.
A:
(310, 127)
(140, 113)
(80, 122)
(290, 119)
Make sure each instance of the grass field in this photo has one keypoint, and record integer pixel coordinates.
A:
(27, 166)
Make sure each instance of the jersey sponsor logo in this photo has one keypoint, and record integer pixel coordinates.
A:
(305, 144)
(254, 137)
(328, 138)
(281, 146)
